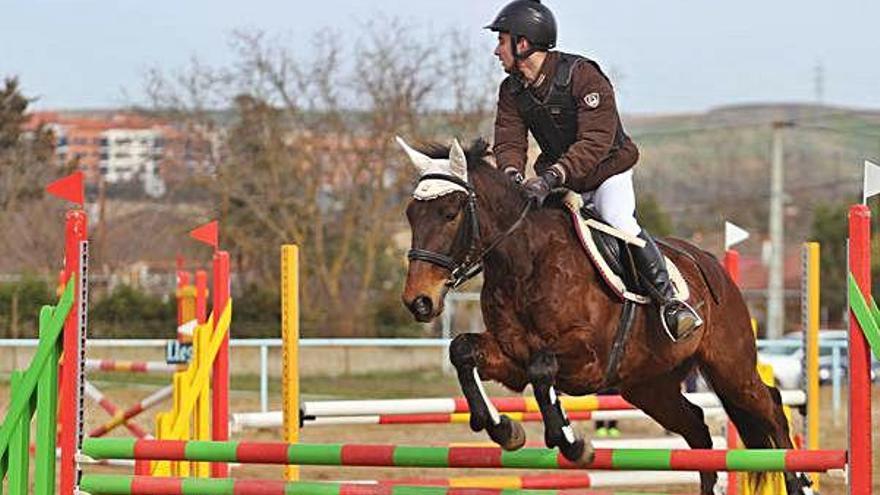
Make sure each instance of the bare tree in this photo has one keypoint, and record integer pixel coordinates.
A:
(307, 152)
(27, 164)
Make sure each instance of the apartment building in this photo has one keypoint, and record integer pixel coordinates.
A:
(133, 154)
(123, 148)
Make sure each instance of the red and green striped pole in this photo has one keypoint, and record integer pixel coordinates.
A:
(146, 485)
(461, 457)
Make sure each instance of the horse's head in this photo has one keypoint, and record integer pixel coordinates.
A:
(442, 217)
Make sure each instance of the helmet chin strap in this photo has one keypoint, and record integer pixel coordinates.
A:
(517, 56)
(514, 41)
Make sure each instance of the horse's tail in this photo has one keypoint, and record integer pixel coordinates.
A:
(753, 430)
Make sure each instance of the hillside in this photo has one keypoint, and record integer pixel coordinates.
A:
(715, 166)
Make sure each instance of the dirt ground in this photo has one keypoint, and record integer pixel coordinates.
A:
(424, 384)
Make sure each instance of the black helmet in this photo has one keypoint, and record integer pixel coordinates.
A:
(528, 19)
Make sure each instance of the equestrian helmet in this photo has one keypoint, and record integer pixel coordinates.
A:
(529, 19)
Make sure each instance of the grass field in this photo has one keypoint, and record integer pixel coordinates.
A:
(402, 385)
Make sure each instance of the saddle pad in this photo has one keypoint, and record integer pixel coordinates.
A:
(573, 202)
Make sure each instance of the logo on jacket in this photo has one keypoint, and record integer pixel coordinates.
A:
(592, 100)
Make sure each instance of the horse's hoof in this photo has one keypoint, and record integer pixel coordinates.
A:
(517, 437)
(580, 453)
(509, 435)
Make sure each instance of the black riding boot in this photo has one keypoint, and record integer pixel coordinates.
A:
(679, 319)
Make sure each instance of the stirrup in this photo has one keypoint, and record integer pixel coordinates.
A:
(698, 322)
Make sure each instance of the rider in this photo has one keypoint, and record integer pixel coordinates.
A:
(568, 105)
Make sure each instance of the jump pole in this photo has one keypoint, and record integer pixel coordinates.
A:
(112, 409)
(458, 405)
(860, 475)
(144, 485)
(554, 481)
(148, 402)
(614, 410)
(113, 365)
(753, 460)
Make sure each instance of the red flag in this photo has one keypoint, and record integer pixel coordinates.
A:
(69, 188)
(207, 233)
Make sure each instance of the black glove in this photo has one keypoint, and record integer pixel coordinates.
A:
(537, 188)
(515, 175)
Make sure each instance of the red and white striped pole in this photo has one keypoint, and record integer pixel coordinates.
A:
(859, 356)
(112, 409)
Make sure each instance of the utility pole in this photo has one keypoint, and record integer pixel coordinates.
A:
(776, 288)
(819, 82)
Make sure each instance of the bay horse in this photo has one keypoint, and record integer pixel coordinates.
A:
(550, 319)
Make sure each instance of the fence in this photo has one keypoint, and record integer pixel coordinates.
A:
(355, 355)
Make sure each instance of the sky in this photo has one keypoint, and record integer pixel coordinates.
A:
(665, 55)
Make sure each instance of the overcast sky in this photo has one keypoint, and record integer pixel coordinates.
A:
(666, 55)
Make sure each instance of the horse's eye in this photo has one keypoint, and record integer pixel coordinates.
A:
(450, 215)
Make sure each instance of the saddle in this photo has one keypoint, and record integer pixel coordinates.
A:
(609, 253)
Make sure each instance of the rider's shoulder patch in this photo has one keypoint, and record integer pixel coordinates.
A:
(592, 100)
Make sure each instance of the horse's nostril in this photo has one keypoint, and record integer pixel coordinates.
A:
(422, 306)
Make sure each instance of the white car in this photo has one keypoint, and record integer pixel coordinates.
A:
(787, 365)
(787, 362)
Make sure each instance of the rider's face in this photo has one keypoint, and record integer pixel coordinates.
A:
(504, 54)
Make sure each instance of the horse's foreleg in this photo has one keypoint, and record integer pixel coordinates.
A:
(472, 353)
(558, 431)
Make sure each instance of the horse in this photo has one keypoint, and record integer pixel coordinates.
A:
(551, 320)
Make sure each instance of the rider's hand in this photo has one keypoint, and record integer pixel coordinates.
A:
(514, 175)
(537, 188)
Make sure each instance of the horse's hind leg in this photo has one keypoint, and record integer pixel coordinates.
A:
(756, 410)
(558, 432)
(474, 354)
(661, 399)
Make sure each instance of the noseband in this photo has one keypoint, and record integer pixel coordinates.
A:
(472, 263)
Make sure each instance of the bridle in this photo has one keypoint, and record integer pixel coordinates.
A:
(472, 263)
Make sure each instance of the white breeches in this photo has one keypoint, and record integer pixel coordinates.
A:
(615, 201)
